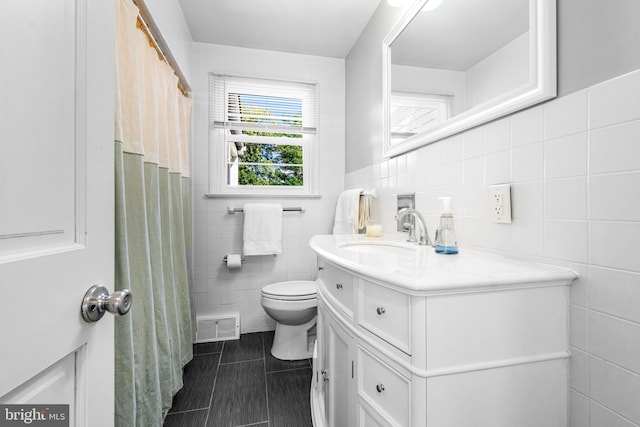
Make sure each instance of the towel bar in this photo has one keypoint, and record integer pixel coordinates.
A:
(232, 211)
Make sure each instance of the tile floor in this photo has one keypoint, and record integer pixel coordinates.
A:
(239, 383)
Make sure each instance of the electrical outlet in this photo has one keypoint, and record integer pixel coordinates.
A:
(500, 203)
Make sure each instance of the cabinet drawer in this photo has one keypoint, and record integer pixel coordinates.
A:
(386, 313)
(340, 284)
(384, 389)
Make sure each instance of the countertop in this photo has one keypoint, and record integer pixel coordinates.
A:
(419, 270)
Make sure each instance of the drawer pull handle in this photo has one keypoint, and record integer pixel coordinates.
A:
(338, 285)
(381, 310)
(380, 388)
(320, 268)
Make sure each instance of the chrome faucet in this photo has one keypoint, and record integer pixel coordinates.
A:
(424, 235)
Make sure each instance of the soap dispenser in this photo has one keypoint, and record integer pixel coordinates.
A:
(446, 242)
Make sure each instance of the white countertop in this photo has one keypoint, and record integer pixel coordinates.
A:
(419, 270)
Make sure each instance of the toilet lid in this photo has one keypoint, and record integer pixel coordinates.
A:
(292, 290)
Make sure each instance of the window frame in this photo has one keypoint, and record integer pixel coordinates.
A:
(218, 150)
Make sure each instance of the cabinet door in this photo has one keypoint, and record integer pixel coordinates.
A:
(318, 390)
(339, 375)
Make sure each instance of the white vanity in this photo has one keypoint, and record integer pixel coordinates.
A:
(408, 337)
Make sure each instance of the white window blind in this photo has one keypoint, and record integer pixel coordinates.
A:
(279, 110)
(413, 113)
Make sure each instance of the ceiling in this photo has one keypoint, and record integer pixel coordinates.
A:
(460, 33)
(314, 27)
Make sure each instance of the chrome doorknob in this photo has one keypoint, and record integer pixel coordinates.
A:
(97, 301)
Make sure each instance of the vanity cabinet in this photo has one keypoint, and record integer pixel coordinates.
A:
(447, 356)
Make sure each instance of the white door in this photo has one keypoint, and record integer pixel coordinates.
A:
(56, 206)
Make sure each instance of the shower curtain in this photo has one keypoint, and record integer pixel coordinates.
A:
(153, 227)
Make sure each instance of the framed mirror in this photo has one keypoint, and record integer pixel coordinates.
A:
(464, 63)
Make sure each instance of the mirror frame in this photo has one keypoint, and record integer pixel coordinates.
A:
(541, 86)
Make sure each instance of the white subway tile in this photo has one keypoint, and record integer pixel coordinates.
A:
(566, 240)
(497, 136)
(566, 198)
(527, 163)
(579, 371)
(527, 200)
(438, 178)
(615, 340)
(615, 292)
(527, 126)
(454, 176)
(615, 101)
(473, 143)
(579, 327)
(578, 291)
(615, 388)
(454, 148)
(474, 172)
(566, 156)
(527, 236)
(384, 169)
(437, 154)
(412, 161)
(401, 184)
(604, 417)
(473, 202)
(472, 231)
(423, 154)
(615, 197)
(498, 236)
(578, 409)
(566, 115)
(497, 168)
(393, 167)
(401, 164)
(615, 148)
(615, 245)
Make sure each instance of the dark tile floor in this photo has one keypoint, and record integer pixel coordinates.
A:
(239, 383)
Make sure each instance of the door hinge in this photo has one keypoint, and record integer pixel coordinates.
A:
(352, 369)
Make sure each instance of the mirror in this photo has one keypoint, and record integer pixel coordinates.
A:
(465, 63)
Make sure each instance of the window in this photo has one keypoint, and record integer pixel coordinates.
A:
(262, 135)
(413, 113)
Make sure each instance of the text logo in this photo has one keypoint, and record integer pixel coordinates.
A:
(34, 415)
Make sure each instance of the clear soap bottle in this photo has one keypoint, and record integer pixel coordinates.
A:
(446, 242)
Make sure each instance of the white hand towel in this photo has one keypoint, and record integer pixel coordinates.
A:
(262, 229)
(346, 218)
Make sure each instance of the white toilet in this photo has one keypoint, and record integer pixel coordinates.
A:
(293, 305)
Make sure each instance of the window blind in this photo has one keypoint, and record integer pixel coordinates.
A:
(239, 103)
(413, 113)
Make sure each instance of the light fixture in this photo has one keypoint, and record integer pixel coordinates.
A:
(431, 4)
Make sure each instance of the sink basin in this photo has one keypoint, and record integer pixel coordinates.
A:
(379, 247)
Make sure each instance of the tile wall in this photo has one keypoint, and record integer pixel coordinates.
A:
(217, 233)
(574, 168)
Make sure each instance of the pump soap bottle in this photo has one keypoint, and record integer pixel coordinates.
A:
(446, 242)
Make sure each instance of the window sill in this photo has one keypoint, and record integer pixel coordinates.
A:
(261, 196)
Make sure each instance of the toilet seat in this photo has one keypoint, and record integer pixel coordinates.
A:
(296, 290)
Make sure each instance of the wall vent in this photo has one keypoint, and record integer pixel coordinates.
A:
(220, 327)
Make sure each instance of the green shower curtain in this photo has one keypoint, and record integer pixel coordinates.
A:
(153, 229)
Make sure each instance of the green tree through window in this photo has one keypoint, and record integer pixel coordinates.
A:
(263, 162)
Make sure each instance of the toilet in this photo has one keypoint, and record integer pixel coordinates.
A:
(293, 305)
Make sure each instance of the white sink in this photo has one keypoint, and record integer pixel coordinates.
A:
(380, 247)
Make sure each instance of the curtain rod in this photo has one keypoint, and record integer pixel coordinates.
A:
(151, 29)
